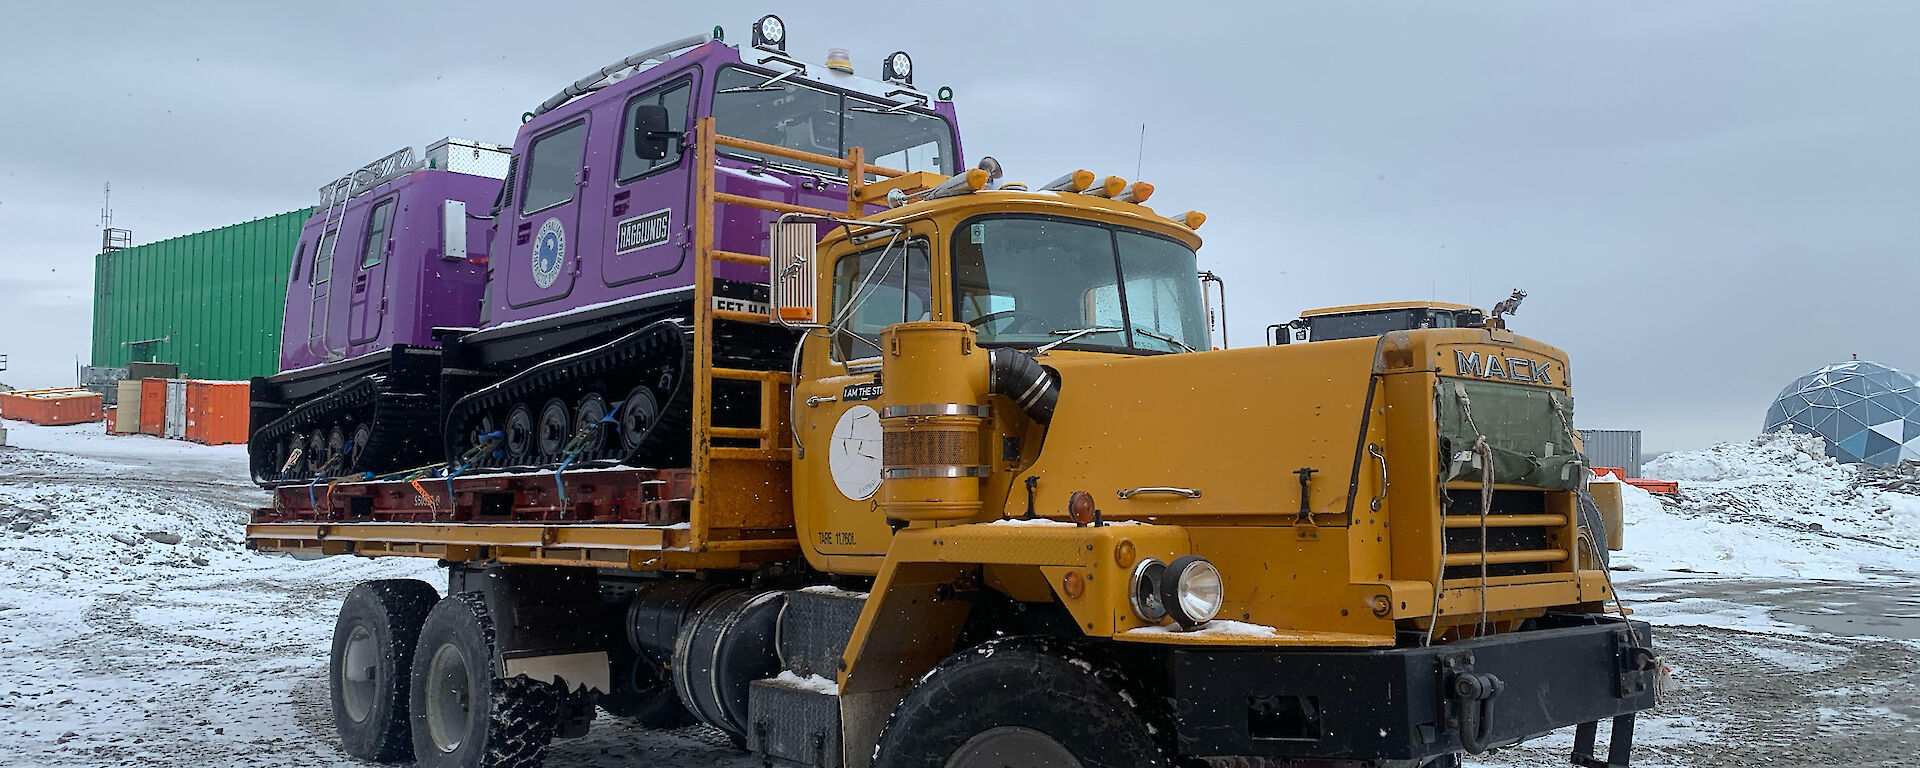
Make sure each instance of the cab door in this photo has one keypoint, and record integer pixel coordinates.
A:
(544, 251)
(837, 480)
(320, 298)
(646, 215)
(367, 307)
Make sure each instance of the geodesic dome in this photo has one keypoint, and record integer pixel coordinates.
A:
(1865, 411)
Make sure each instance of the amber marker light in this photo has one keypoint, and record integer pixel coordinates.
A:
(964, 184)
(1124, 553)
(1077, 181)
(1193, 219)
(1080, 507)
(1137, 194)
(1073, 585)
(1109, 187)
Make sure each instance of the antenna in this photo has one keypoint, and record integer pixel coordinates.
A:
(111, 239)
(1140, 157)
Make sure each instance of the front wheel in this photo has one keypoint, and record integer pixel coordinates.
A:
(463, 716)
(1030, 702)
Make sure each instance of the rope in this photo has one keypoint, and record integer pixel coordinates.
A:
(1484, 452)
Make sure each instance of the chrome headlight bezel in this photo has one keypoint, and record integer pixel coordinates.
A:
(1143, 590)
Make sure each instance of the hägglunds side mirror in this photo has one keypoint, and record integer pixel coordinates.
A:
(650, 132)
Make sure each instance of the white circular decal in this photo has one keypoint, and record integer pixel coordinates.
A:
(854, 456)
(549, 252)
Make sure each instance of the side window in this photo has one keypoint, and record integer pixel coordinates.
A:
(553, 163)
(379, 224)
(323, 258)
(674, 98)
(299, 260)
(899, 290)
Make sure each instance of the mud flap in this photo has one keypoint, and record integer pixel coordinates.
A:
(547, 622)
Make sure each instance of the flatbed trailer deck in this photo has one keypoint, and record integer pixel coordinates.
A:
(630, 517)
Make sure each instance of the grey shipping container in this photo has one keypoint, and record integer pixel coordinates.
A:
(175, 425)
(1613, 448)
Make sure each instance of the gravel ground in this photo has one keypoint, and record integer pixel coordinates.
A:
(197, 654)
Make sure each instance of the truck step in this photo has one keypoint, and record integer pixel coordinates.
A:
(815, 628)
(795, 721)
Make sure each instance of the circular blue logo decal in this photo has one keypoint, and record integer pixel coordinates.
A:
(549, 252)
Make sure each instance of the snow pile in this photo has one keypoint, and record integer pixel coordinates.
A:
(1775, 506)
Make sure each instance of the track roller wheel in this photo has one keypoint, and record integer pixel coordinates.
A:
(362, 434)
(592, 408)
(555, 427)
(519, 438)
(476, 435)
(637, 416)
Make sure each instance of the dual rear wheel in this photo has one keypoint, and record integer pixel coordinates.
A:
(412, 679)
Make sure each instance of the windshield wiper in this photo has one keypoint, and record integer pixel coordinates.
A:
(897, 108)
(1163, 337)
(765, 86)
(1070, 335)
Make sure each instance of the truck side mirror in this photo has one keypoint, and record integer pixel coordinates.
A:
(650, 132)
(796, 287)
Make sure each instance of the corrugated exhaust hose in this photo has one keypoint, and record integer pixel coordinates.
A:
(1032, 387)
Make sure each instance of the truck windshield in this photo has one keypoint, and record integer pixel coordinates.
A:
(1034, 280)
(1359, 326)
(750, 105)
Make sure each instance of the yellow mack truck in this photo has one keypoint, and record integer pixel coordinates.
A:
(996, 502)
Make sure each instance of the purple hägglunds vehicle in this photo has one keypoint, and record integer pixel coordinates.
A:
(482, 308)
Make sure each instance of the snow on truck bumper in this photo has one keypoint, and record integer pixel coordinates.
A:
(1412, 703)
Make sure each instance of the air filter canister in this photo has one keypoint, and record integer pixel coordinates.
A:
(932, 422)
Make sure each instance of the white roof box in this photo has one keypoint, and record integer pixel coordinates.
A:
(474, 158)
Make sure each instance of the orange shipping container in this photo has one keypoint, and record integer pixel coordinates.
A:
(217, 412)
(51, 407)
(113, 418)
(153, 406)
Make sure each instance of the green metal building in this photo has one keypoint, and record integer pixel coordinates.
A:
(210, 301)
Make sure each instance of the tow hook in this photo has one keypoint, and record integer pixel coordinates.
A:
(1475, 692)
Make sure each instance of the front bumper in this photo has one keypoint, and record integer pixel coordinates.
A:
(1409, 704)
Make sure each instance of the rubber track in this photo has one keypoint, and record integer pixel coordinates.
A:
(626, 362)
(399, 419)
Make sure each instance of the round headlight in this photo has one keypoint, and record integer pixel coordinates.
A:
(1144, 593)
(1192, 591)
(771, 31)
(899, 67)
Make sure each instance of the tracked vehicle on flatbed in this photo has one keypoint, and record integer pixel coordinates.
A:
(985, 504)
(436, 310)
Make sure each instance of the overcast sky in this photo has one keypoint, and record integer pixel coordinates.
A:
(1704, 199)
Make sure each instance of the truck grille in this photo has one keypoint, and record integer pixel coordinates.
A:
(1522, 535)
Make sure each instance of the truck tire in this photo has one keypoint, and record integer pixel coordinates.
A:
(1048, 702)
(1595, 525)
(463, 716)
(370, 665)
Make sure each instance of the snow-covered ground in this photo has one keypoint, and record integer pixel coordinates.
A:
(136, 629)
